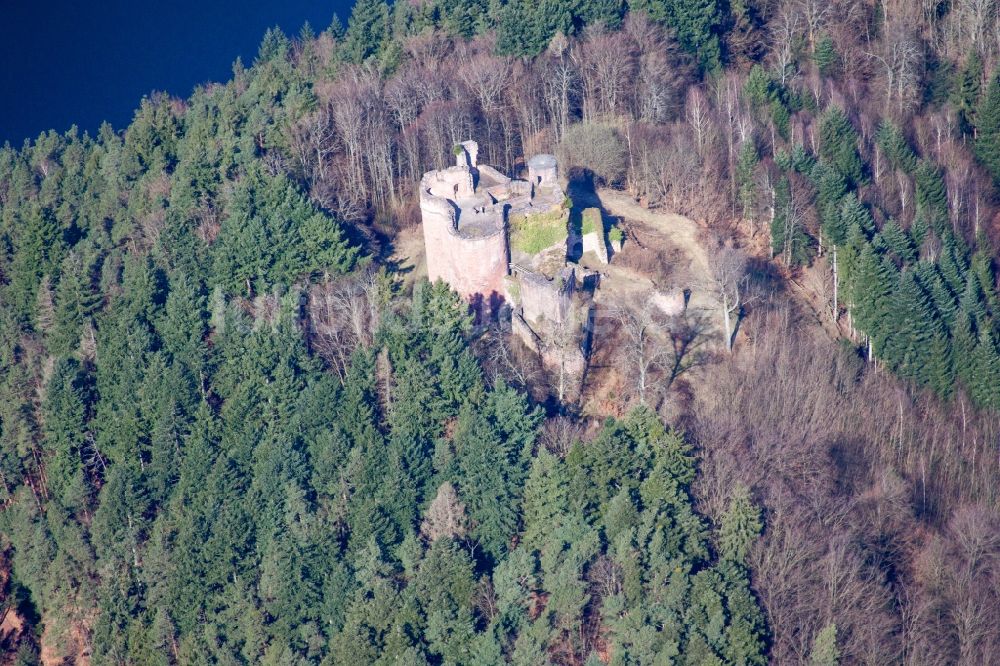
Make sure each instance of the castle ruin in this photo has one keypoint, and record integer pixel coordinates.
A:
(502, 243)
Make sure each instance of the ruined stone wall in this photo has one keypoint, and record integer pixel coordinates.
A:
(594, 242)
(523, 332)
(469, 156)
(486, 171)
(453, 183)
(542, 299)
(543, 170)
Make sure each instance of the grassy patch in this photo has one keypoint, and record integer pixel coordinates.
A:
(591, 222)
(533, 233)
(616, 235)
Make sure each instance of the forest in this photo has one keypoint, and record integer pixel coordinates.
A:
(232, 432)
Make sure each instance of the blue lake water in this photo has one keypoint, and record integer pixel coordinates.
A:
(84, 62)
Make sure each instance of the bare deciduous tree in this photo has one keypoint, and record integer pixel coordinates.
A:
(646, 352)
(900, 59)
(445, 516)
(728, 275)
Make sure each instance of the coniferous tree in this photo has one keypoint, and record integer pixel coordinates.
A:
(66, 432)
(75, 301)
(825, 651)
(546, 499)
(444, 586)
(942, 299)
(953, 262)
(838, 145)
(745, 179)
(741, 524)
(988, 129)
(696, 23)
(897, 241)
(917, 345)
(826, 56)
(830, 191)
(872, 285)
(985, 366)
(968, 91)
(931, 195)
(894, 145)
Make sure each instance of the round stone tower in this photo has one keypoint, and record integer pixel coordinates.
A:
(465, 237)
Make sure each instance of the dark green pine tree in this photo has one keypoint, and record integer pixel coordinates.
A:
(898, 242)
(371, 612)
(546, 499)
(183, 326)
(939, 372)
(740, 526)
(414, 427)
(746, 629)
(985, 369)
(491, 466)
(916, 348)
(462, 18)
(872, 287)
(931, 195)
(518, 32)
(336, 29)
(963, 345)
(119, 532)
(614, 461)
(745, 179)
(65, 412)
(893, 144)
(38, 250)
(274, 46)
(982, 269)
(826, 57)
(830, 191)
(838, 145)
(942, 299)
(988, 129)
(367, 30)
(801, 160)
(324, 248)
(856, 217)
(444, 588)
(758, 88)
(75, 301)
(954, 261)
(696, 23)
(968, 91)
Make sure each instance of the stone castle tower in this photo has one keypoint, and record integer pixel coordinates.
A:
(465, 228)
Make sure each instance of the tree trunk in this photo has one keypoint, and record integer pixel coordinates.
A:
(727, 323)
(836, 283)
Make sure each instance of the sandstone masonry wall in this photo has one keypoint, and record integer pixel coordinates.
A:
(475, 265)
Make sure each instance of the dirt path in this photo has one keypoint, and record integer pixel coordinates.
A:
(682, 231)
(678, 232)
(408, 255)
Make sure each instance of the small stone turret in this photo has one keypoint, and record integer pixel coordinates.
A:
(543, 170)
